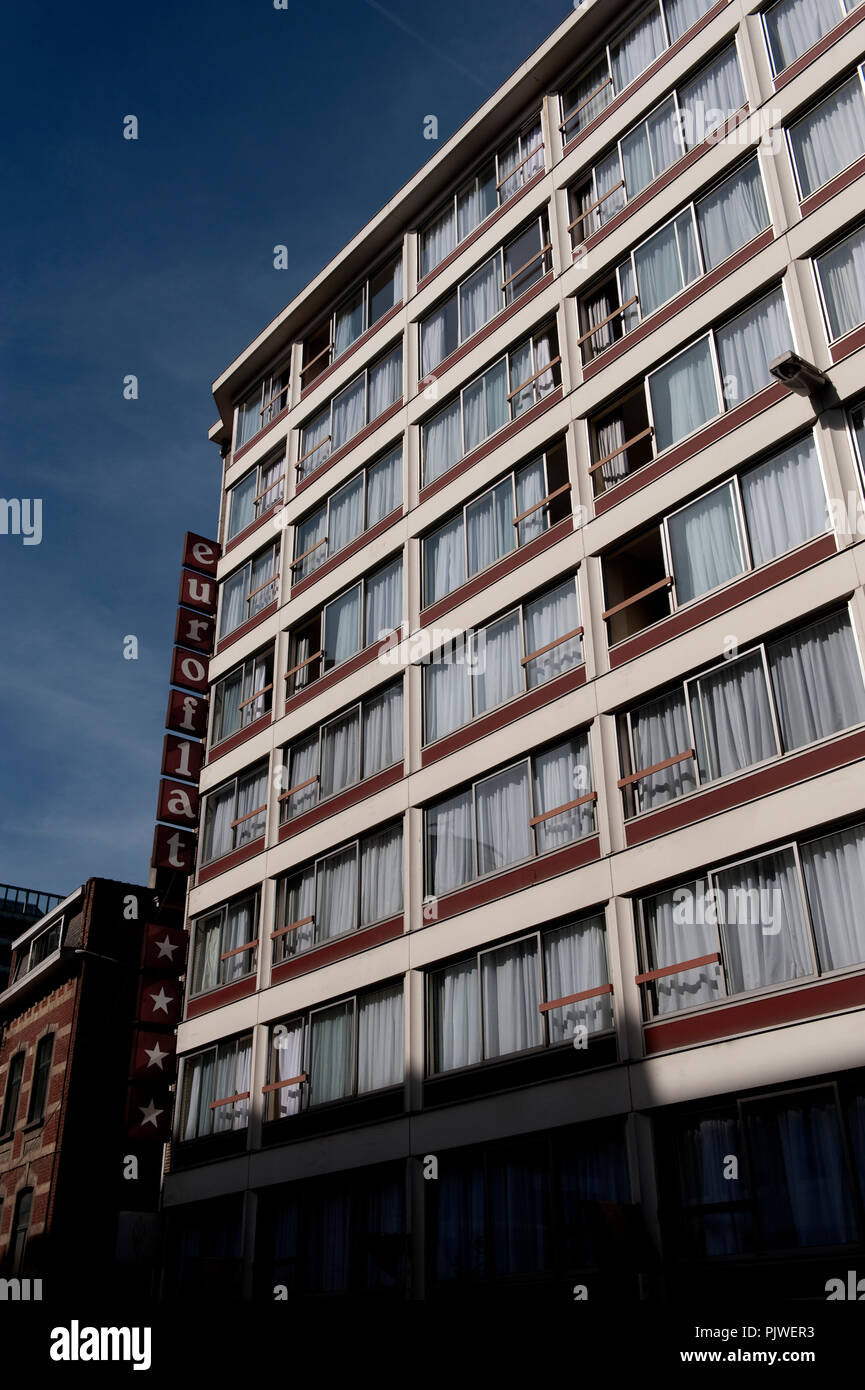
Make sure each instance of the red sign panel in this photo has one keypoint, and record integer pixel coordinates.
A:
(187, 714)
(173, 849)
(196, 630)
(164, 948)
(154, 1055)
(181, 758)
(178, 803)
(189, 669)
(159, 1000)
(148, 1113)
(198, 591)
(200, 553)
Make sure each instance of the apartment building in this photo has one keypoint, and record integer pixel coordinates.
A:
(527, 945)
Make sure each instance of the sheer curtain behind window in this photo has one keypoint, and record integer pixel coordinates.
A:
(784, 501)
(634, 51)
(842, 275)
(732, 718)
(659, 730)
(310, 533)
(817, 681)
(444, 560)
(380, 1039)
(828, 139)
(218, 815)
(531, 488)
(764, 931)
(384, 487)
(442, 442)
(490, 526)
(208, 938)
(480, 297)
(794, 26)
(503, 812)
(340, 754)
(313, 449)
(287, 1062)
(799, 1174)
(381, 875)
(346, 517)
(239, 928)
(383, 602)
(676, 931)
(834, 868)
(298, 904)
(382, 731)
(330, 1053)
(575, 959)
(439, 239)
(385, 384)
(704, 544)
(712, 96)
(349, 415)
(649, 149)
(510, 981)
(748, 344)
(560, 775)
(342, 628)
(303, 764)
(251, 794)
(456, 1021)
(683, 14)
(447, 704)
(496, 669)
(733, 215)
(336, 894)
(547, 619)
(233, 610)
(684, 394)
(449, 843)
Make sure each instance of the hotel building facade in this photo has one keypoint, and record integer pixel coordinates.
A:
(528, 949)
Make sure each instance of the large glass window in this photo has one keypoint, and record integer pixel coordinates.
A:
(364, 614)
(242, 697)
(261, 407)
(513, 384)
(357, 506)
(250, 589)
(841, 276)
(235, 814)
(255, 494)
(830, 137)
(225, 944)
(346, 750)
(362, 309)
(794, 26)
(355, 406)
(354, 886)
(535, 805)
(215, 1089)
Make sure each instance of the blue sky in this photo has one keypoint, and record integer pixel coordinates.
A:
(257, 126)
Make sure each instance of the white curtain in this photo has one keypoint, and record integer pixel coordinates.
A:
(510, 979)
(384, 487)
(660, 730)
(476, 202)
(576, 95)
(261, 592)
(598, 308)
(380, 1039)
(523, 262)
(385, 384)
(764, 931)
(684, 394)
(349, 416)
(303, 764)
(521, 370)
(330, 1053)
(456, 1021)
(382, 730)
(835, 881)
(546, 618)
(800, 1173)
(784, 501)
(208, 938)
(659, 271)
(712, 96)
(683, 14)
(732, 718)
(439, 239)
(639, 47)
(226, 711)
(504, 834)
(298, 904)
(248, 418)
(239, 928)
(531, 487)
(346, 517)
(198, 1093)
(286, 1062)
(496, 669)
(251, 793)
(233, 610)
(340, 754)
(308, 534)
(842, 275)
(826, 140)
(562, 774)
(231, 1078)
(575, 959)
(447, 704)
(342, 628)
(272, 484)
(647, 151)
(218, 815)
(336, 894)
(349, 323)
(675, 933)
(794, 26)
(485, 405)
(608, 175)
(733, 215)
(438, 335)
(817, 681)
(704, 544)
(748, 344)
(313, 436)
(444, 560)
(450, 842)
(383, 602)
(700, 1153)
(242, 507)
(381, 875)
(442, 442)
(490, 526)
(610, 438)
(480, 297)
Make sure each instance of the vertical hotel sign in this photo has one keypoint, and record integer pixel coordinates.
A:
(186, 720)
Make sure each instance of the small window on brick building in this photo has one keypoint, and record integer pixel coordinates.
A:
(13, 1091)
(41, 1076)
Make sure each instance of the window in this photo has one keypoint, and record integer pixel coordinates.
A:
(715, 374)
(841, 278)
(226, 945)
(829, 138)
(681, 121)
(364, 614)
(261, 407)
(477, 299)
(856, 418)
(346, 750)
(740, 525)
(768, 701)
(624, 58)
(361, 310)
(345, 1049)
(358, 884)
(510, 514)
(516, 997)
(795, 1188)
(793, 26)
(249, 590)
(37, 950)
(519, 651)
(357, 506)
(215, 1091)
(255, 494)
(503, 175)
(535, 805)
(242, 697)
(357, 405)
(13, 1093)
(787, 915)
(699, 238)
(512, 385)
(235, 814)
(41, 1078)
(20, 1229)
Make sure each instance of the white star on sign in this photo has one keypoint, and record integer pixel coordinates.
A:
(155, 1054)
(161, 1001)
(167, 948)
(148, 1114)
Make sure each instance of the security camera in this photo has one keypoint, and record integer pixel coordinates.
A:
(801, 376)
